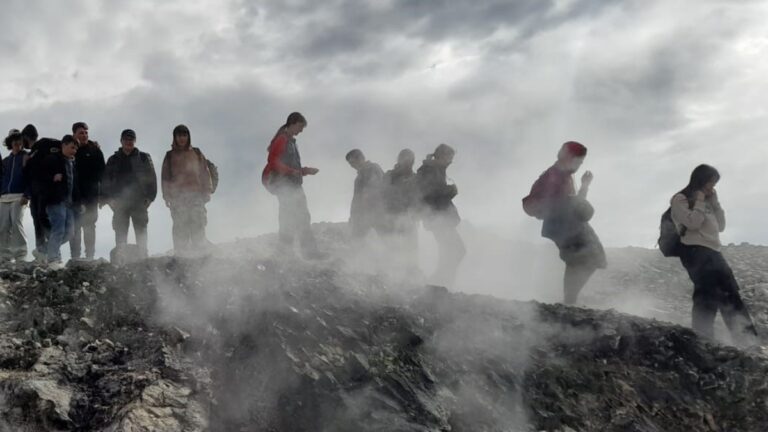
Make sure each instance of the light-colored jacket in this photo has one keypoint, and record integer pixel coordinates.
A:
(704, 222)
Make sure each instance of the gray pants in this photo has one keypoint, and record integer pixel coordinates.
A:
(294, 218)
(13, 241)
(85, 231)
(122, 216)
(189, 221)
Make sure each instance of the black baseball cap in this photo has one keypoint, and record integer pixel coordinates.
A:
(128, 133)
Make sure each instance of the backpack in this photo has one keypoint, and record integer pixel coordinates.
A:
(669, 237)
(533, 207)
(213, 170)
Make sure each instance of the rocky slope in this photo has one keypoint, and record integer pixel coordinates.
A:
(241, 342)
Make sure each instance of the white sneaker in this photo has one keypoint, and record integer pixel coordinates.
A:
(56, 265)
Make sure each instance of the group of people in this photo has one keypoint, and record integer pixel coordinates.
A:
(391, 203)
(695, 219)
(66, 181)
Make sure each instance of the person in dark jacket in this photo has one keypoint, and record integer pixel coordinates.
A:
(566, 216)
(90, 169)
(14, 196)
(39, 150)
(366, 212)
(62, 197)
(283, 176)
(129, 186)
(186, 183)
(400, 197)
(440, 214)
(700, 219)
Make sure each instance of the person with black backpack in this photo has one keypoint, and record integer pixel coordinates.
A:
(697, 213)
(566, 216)
(187, 186)
(129, 186)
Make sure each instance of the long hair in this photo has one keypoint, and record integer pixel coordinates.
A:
(293, 118)
(700, 176)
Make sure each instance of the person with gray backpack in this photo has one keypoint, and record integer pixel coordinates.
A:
(699, 219)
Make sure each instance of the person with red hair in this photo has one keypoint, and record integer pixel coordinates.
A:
(566, 214)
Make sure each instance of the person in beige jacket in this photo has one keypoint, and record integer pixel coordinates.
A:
(700, 219)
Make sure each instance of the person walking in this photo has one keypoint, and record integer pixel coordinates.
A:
(90, 169)
(699, 217)
(14, 197)
(566, 215)
(283, 176)
(186, 185)
(366, 211)
(129, 187)
(440, 215)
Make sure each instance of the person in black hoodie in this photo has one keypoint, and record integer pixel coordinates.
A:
(39, 150)
(61, 197)
(129, 186)
(90, 169)
(439, 214)
(399, 194)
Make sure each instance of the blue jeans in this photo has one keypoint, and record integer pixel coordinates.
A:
(62, 219)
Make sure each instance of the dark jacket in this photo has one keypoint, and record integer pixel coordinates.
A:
(366, 201)
(436, 194)
(90, 169)
(56, 192)
(129, 179)
(38, 153)
(399, 190)
(184, 172)
(14, 181)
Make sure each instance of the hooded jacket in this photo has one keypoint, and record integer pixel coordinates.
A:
(399, 190)
(39, 152)
(185, 172)
(129, 179)
(90, 169)
(56, 192)
(13, 178)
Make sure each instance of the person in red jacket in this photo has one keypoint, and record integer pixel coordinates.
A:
(283, 176)
(566, 214)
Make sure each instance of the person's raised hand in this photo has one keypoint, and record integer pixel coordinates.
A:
(587, 178)
(58, 178)
(309, 171)
(699, 195)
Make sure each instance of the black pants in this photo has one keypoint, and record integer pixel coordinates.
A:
(715, 289)
(40, 221)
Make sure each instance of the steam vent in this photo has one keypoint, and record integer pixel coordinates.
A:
(242, 342)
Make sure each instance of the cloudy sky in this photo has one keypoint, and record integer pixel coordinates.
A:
(651, 87)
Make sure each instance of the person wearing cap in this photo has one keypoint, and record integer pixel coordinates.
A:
(90, 169)
(566, 214)
(61, 196)
(439, 214)
(14, 196)
(39, 150)
(187, 187)
(129, 186)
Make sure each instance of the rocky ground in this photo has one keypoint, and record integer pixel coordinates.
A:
(239, 341)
